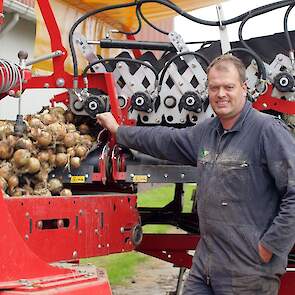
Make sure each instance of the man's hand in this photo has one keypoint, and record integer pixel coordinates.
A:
(107, 120)
(264, 254)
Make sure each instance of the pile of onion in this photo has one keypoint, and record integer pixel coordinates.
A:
(53, 139)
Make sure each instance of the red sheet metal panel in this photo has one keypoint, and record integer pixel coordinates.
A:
(66, 228)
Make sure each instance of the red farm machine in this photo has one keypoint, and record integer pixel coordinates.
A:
(42, 237)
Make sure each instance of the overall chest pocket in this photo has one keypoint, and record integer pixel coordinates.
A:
(234, 180)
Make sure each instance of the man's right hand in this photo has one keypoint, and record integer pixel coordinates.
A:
(107, 120)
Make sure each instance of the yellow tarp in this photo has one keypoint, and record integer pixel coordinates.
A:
(67, 12)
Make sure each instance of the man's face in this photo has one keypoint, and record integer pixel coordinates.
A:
(227, 94)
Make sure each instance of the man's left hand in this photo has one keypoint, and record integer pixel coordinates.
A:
(264, 253)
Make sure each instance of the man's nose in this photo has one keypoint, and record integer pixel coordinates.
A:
(221, 92)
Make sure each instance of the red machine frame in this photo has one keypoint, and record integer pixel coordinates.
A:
(38, 230)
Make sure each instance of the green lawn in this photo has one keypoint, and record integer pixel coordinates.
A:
(121, 266)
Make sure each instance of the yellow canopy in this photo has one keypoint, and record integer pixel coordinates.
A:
(94, 28)
(126, 18)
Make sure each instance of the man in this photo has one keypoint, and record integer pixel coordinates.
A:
(246, 186)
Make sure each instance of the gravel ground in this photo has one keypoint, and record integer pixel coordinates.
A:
(155, 277)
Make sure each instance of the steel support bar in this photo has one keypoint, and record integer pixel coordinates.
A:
(172, 248)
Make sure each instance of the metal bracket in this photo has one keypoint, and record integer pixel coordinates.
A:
(224, 39)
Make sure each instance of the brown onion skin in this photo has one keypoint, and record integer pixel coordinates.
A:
(81, 151)
(61, 160)
(84, 128)
(75, 162)
(66, 192)
(21, 157)
(44, 139)
(6, 151)
(6, 170)
(48, 119)
(43, 156)
(69, 139)
(12, 182)
(55, 186)
(3, 184)
(33, 165)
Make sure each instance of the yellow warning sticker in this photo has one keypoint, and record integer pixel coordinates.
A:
(140, 178)
(78, 179)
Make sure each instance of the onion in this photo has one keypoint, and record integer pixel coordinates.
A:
(57, 130)
(21, 157)
(17, 192)
(24, 143)
(57, 110)
(6, 150)
(66, 192)
(44, 139)
(6, 170)
(58, 113)
(43, 156)
(35, 133)
(75, 162)
(6, 129)
(12, 182)
(42, 192)
(69, 116)
(81, 151)
(3, 183)
(55, 185)
(33, 165)
(86, 140)
(84, 128)
(11, 139)
(71, 127)
(61, 160)
(69, 139)
(47, 118)
(36, 123)
(77, 136)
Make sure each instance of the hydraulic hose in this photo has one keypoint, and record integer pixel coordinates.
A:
(80, 20)
(260, 65)
(170, 61)
(138, 16)
(286, 31)
(257, 11)
(150, 24)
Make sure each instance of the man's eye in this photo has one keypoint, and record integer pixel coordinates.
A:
(230, 87)
(212, 88)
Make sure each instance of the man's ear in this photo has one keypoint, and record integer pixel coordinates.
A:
(244, 86)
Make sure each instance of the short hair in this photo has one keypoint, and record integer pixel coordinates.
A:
(228, 58)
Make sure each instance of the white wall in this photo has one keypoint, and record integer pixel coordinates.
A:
(21, 37)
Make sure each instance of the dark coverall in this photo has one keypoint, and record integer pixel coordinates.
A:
(246, 194)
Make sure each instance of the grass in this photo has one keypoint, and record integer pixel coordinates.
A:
(122, 266)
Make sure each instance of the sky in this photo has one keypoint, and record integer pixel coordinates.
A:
(266, 24)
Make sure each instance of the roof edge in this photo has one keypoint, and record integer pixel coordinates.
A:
(25, 11)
